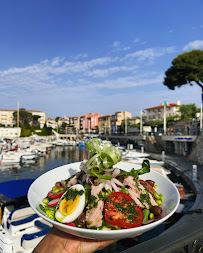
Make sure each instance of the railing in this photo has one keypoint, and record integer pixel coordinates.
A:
(187, 238)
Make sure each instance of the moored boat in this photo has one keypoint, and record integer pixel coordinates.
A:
(133, 154)
(20, 228)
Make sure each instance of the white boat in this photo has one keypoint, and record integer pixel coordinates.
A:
(23, 143)
(23, 155)
(69, 143)
(21, 229)
(39, 149)
(60, 143)
(3, 144)
(133, 154)
(26, 155)
(10, 158)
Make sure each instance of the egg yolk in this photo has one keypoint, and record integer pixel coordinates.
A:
(68, 207)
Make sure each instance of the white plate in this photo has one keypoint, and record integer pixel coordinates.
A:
(42, 185)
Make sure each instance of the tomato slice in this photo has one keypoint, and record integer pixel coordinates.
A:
(148, 187)
(53, 195)
(71, 224)
(121, 210)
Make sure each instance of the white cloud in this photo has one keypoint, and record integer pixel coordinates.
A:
(136, 40)
(196, 44)
(47, 74)
(79, 56)
(126, 48)
(56, 61)
(116, 84)
(111, 70)
(150, 53)
(116, 43)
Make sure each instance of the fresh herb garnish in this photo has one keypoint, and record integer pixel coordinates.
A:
(72, 194)
(135, 173)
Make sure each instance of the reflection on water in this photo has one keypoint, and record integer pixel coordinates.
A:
(33, 169)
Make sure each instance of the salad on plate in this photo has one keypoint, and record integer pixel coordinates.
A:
(102, 196)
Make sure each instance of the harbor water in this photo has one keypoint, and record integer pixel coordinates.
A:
(33, 169)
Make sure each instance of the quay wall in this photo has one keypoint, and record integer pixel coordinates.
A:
(154, 144)
(197, 151)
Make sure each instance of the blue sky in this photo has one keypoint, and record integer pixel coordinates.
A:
(75, 57)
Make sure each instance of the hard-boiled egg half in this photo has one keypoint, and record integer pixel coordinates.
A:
(71, 205)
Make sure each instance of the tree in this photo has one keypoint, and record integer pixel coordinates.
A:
(35, 121)
(154, 123)
(172, 119)
(25, 117)
(186, 68)
(45, 131)
(188, 111)
(56, 119)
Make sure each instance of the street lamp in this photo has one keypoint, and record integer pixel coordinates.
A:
(126, 126)
(201, 128)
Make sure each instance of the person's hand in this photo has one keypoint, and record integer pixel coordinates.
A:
(57, 241)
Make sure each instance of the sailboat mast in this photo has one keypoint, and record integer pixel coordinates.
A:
(18, 114)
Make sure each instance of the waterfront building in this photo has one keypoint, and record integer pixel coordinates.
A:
(59, 122)
(117, 118)
(105, 124)
(74, 122)
(6, 117)
(89, 122)
(8, 132)
(157, 112)
(134, 121)
(51, 123)
(42, 118)
(66, 120)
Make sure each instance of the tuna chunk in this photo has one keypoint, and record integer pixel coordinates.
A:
(94, 216)
(72, 181)
(139, 194)
(95, 190)
(135, 196)
(94, 213)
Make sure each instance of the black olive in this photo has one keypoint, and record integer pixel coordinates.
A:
(156, 210)
(82, 219)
